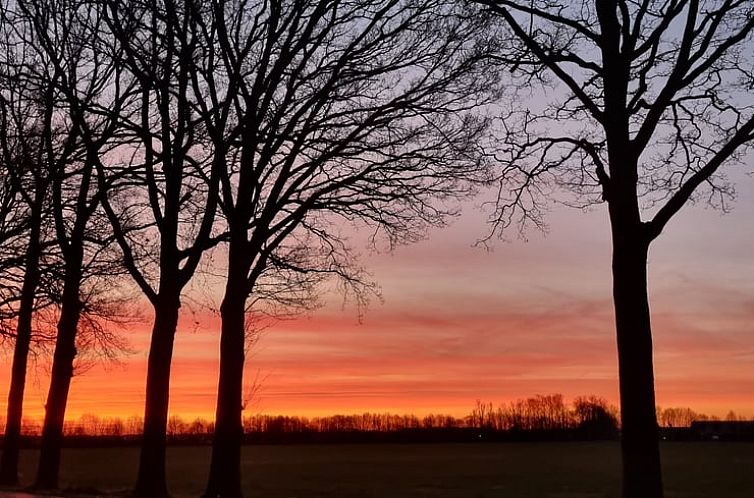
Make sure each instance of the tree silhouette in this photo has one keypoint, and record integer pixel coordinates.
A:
(62, 38)
(594, 417)
(319, 113)
(651, 98)
(44, 154)
(27, 133)
(161, 201)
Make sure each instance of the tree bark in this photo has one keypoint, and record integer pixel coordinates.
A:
(151, 481)
(642, 472)
(60, 380)
(12, 439)
(225, 467)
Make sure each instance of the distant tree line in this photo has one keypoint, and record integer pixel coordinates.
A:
(538, 413)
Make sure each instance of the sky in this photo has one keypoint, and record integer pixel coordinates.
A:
(458, 323)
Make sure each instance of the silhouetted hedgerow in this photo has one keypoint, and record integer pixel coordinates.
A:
(538, 418)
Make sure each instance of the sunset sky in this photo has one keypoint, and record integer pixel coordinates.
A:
(460, 323)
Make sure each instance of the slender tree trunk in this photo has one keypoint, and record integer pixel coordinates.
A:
(642, 473)
(12, 439)
(225, 467)
(151, 481)
(60, 381)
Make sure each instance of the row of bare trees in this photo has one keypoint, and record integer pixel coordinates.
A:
(684, 416)
(540, 413)
(142, 139)
(537, 413)
(60, 269)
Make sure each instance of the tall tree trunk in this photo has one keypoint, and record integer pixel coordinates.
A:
(642, 473)
(151, 481)
(12, 439)
(60, 381)
(225, 467)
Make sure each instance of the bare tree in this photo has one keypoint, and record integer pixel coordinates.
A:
(27, 133)
(641, 105)
(481, 416)
(63, 39)
(162, 186)
(322, 114)
(677, 417)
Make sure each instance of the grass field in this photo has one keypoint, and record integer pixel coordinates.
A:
(512, 470)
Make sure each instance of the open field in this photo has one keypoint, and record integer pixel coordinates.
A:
(511, 470)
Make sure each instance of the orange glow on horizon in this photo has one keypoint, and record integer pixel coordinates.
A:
(460, 324)
(331, 364)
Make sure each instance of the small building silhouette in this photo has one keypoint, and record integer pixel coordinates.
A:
(724, 430)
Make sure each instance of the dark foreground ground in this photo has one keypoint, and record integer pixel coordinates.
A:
(507, 470)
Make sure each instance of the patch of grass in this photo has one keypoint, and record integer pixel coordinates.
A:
(516, 470)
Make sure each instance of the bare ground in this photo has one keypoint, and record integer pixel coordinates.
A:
(512, 470)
